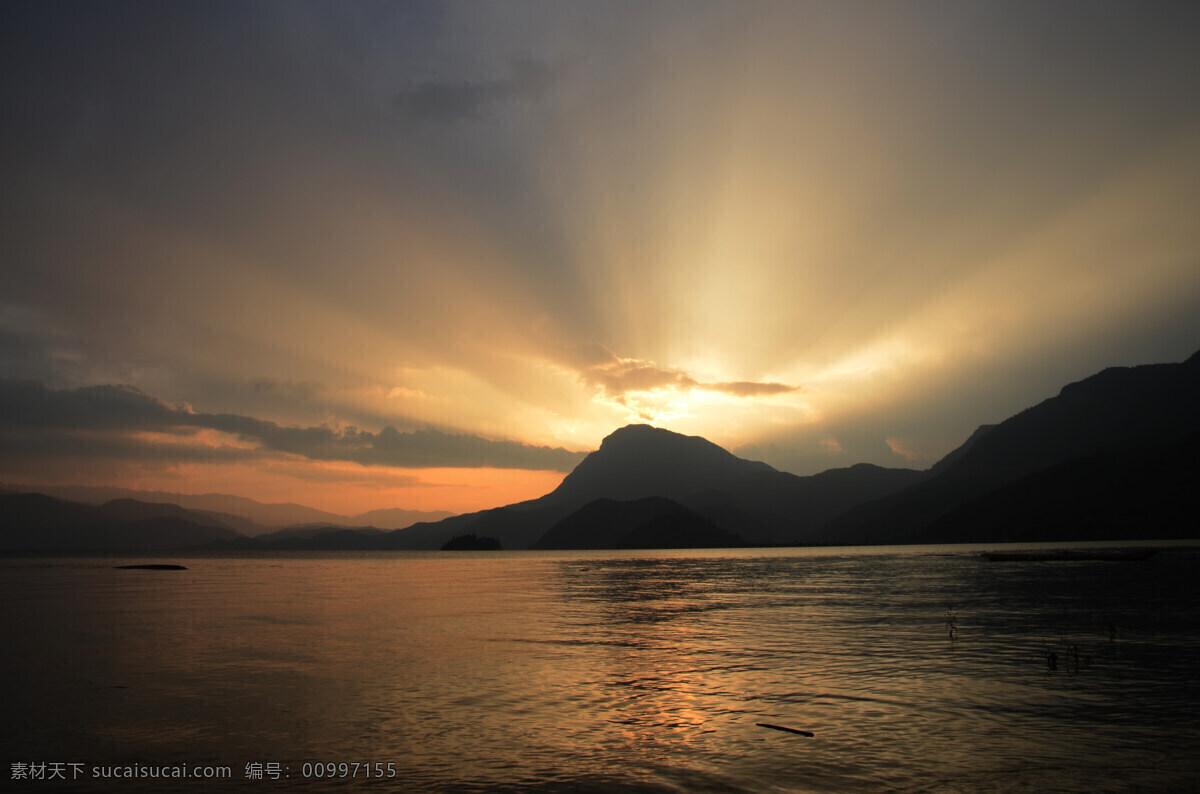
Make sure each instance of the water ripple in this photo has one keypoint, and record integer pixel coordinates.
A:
(587, 672)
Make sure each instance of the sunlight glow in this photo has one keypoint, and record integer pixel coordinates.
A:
(828, 233)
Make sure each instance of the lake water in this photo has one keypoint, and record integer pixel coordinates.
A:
(606, 671)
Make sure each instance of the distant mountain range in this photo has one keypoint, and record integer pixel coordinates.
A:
(31, 521)
(1114, 456)
(247, 516)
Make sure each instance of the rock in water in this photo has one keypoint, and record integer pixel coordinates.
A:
(153, 567)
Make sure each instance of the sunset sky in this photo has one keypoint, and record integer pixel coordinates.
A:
(425, 255)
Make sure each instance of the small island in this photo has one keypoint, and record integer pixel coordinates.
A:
(472, 543)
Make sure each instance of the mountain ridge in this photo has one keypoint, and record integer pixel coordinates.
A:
(249, 516)
(1134, 432)
(1118, 408)
(748, 499)
(33, 521)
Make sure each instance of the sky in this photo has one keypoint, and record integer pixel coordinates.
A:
(427, 255)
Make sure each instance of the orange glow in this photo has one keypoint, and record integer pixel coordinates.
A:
(336, 487)
(847, 233)
(348, 488)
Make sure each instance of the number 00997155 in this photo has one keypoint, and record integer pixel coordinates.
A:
(320, 769)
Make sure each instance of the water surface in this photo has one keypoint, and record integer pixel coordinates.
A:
(916, 669)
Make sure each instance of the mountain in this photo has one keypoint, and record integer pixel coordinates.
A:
(1116, 455)
(720, 497)
(395, 517)
(651, 522)
(36, 522)
(262, 516)
(516, 526)
(308, 531)
(639, 461)
(748, 500)
(131, 510)
(962, 449)
(206, 504)
(1112, 430)
(471, 543)
(1150, 491)
(247, 516)
(748, 497)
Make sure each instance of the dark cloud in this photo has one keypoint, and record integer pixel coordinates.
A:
(29, 404)
(48, 421)
(449, 102)
(23, 445)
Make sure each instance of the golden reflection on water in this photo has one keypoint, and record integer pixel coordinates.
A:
(647, 670)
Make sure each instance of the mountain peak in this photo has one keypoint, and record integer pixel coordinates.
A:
(646, 437)
(633, 431)
(637, 461)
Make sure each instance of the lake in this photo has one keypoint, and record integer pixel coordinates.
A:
(914, 668)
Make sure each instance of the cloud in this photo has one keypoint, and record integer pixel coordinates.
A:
(743, 388)
(50, 421)
(448, 102)
(349, 195)
(104, 447)
(615, 377)
(29, 404)
(630, 375)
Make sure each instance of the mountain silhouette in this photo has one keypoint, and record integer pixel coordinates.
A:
(749, 501)
(651, 522)
(637, 461)
(471, 543)
(248, 516)
(1131, 417)
(1113, 456)
(36, 522)
(1121, 493)
(306, 531)
(130, 510)
(395, 517)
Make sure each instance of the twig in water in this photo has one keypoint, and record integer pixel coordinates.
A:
(786, 730)
(1051, 657)
(952, 623)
